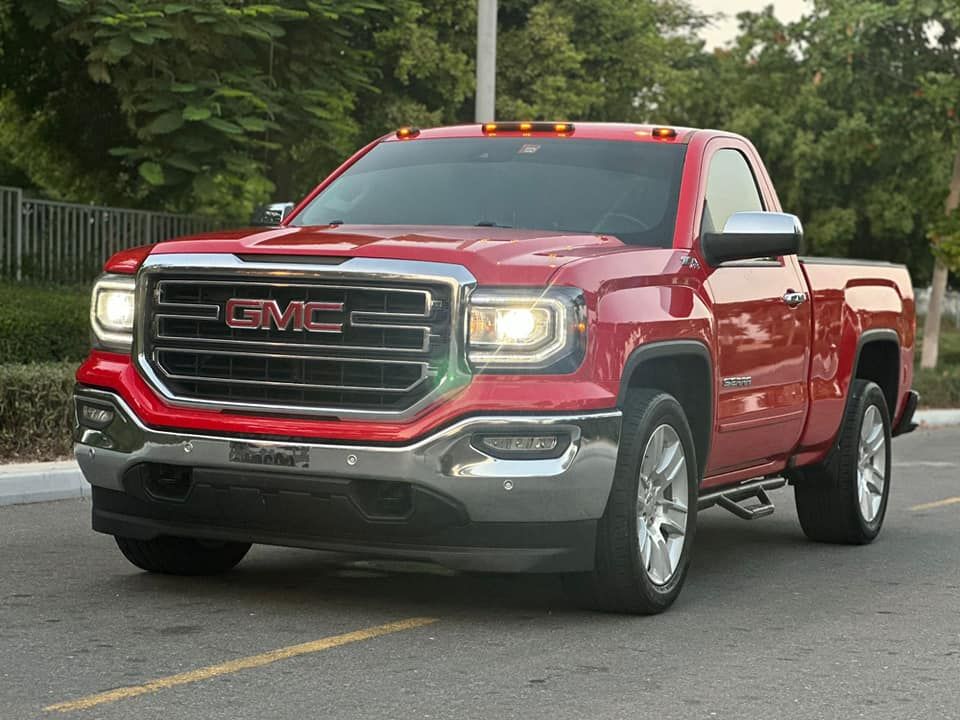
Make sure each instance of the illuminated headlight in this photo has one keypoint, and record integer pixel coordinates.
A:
(526, 329)
(518, 327)
(112, 310)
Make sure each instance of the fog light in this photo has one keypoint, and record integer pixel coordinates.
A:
(521, 442)
(530, 447)
(95, 416)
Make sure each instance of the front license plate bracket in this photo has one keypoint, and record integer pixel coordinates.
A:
(248, 453)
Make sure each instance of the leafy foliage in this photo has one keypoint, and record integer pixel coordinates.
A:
(215, 105)
(217, 90)
(854, 110)
(575, 59)
(211, 99)
(424, 53)
(56, 125)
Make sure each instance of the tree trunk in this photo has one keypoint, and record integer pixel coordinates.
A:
(938, 287)
(931, 328)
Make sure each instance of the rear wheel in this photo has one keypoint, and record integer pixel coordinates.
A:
(844, 500)
(646, 535)
(182, 556)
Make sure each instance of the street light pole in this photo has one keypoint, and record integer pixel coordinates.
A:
(486, 60)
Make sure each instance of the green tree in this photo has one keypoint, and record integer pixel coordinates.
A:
(216, 104)
(898, 64)
(557, 59)
(854, 108)
(56, 124)
(424, 55)
(206, 104)
(848, 134)
(604, 60)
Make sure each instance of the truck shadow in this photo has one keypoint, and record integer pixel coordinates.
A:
(733, 559)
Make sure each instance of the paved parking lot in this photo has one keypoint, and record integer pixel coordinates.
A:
(769, 626)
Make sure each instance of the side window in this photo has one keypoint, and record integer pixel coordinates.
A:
(730, 188)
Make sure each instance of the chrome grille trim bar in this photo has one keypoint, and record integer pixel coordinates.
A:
(424, 371)
(427, 297)
(271, 344)
(225, 269)
(293, 346)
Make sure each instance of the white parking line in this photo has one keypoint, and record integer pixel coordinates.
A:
(924, 463)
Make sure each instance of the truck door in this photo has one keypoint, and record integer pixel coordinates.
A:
(763, 328)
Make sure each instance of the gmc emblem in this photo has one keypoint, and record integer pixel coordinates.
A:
(298, 316)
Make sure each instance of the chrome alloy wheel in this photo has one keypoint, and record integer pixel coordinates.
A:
(662, 504)
(871, 464)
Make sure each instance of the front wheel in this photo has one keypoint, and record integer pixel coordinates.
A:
(645, 537)
(182, 556)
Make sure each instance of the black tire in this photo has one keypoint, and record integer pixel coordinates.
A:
(182, 556)
(828, 494)
(620, 581)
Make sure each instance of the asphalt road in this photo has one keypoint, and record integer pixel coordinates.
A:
(768, 626)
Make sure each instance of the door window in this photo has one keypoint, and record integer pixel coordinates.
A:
(731, 188)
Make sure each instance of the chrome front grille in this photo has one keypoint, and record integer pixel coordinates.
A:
(361, 338)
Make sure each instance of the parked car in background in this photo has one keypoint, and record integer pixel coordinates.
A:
(271, 214)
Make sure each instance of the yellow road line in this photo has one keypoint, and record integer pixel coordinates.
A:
(937, 504)
(233, 666)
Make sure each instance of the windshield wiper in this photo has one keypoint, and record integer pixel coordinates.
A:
(489, 223)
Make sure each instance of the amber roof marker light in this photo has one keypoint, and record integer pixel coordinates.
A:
(408, 133)
(526, 127)
(664, 133)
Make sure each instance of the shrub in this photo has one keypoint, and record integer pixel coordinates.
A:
(949, 348)
(35, 411)
(43, 324)
(938, 388)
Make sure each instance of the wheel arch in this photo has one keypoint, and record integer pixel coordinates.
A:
(683, 368)
(878, 359)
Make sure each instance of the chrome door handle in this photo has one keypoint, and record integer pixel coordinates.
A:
(793, 299)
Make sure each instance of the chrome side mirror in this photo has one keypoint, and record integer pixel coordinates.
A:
(271, 214)
(753, 235)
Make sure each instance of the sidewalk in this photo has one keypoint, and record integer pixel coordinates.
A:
(61, 480)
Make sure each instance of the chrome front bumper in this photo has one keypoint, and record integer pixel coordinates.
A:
(572, 487)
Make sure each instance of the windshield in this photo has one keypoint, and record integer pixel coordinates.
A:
(562, 185)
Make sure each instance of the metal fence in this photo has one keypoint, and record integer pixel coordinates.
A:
(67, 242)
(950, 306)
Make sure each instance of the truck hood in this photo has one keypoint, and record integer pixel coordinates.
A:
(492, 255)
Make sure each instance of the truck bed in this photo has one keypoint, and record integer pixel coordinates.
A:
(854, 302)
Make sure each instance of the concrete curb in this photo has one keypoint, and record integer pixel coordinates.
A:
(41, 482)
(937, 418)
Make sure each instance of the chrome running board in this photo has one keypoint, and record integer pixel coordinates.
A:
(731, 498)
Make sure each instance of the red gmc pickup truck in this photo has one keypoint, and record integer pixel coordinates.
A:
(511, 347)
